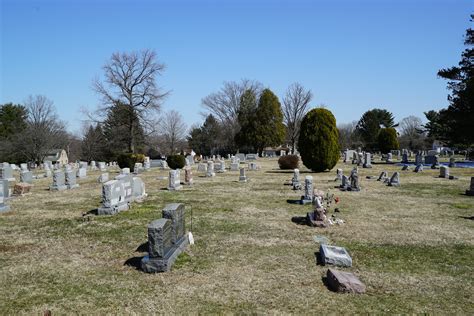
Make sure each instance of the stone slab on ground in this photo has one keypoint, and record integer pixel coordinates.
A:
(21, 188)
(344, 282)
(335, 255)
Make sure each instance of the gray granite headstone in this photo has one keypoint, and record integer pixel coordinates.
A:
(241, 157)
(210, 169)
(344, 183)
(70, 178)
(138, 189)
(127, 180)
(3, 206)
(339, 174)
(394, 180)
(26, 177)
(444, 172)
(242, 176)
(308, 190)
(59, 181)
(251, 157)
(335, 255)
(174, 181)
(367, 161)
(470, 191)
(113, 198)
(82, 172)
(104, 177)
(6, 172)
(295, 181)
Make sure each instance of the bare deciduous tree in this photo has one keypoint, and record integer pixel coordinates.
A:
(224, 104)
(295, 106)
(348, 136)
(130, 79)
(410, 126)
(44, 131)
(173, 130)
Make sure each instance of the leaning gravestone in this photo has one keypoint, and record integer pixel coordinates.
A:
(344, 282)
(174, 181)
(307, 198)
(3, 207)
(58, 181)
(367, 161)
(113, 198)
(210, 169)
(470, 191)
(166, 239)
(242, 176)
(382, 176)
(26, 177)
(70, 179)
(334, 255)
(444, 172)
(394, 180)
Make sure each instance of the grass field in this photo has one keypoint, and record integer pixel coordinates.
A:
(413, 247)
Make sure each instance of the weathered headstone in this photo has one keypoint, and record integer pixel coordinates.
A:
(3, 206)
(138, 189)
(58, 181)
(367, 161)
(127, 181)
(295, 181)
(221, 166)
(242, 176)
(70, 178)
(138, 168)
(93, 166)
(188, 176)
(125, 171)
(444, 172)
(405, 157)
(419, 159)
(382, 176)
(146, 163)
(113, 198)
(307, 198)
(253, 166)
(394, 180)
(6, 172)
(166, 239)
(210, 169)
(82, 173)
(338, 175)
(104, 177)
(317, 217)
(26, 177)
(470, 191)
(174, 181)
(24, 167)
(22, 188)
(405, 167)
(354, 178)
(202, 167)
(102, 166)
(234, 166)
(241, 157)
(452, 162)
(335, 255)
(5, 184)
(345, 184)
(389, 158)
(344, 282)
(251, 157)
(418, 168)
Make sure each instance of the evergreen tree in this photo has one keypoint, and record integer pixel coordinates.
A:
(94, 144)
(269, 128)
(387, 140)
(370, 124)
(246, 117)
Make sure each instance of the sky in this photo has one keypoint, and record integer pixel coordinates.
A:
(353, 55)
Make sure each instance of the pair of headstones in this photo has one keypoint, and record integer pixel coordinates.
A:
(63, 180)
(166, 239)
(118, 194)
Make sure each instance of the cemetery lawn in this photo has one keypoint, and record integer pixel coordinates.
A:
(413, 247)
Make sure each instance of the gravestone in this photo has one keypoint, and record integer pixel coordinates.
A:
(26, 177)
(146, 163)
(189, 160)
(345, 184)
(241, 157)
(188, 176)
(367, 161)
(202, 167)
(102, 166)
(113, 198)
(93, 166)
(6, 172)
(360, 157)
(174, 181)
(404, 157)
(382, 176)
(444, 172)
(82, 173)
(431, 159)
(253, 166)
(335, 255)
(22, 188)
(234, 166)
(418, 168)
(317, 218)
(221, 166)
(210, 169)
(3, 206)
(338, 175)
(83, 164)
(127, 181)
(70, 178)
(166, 239)
(354, 178)
(405, 167)
(5, 184)
(295, 181)
(242, 176)
(419, 159)
(452, 162)
(394, 180)
(251, 157)
(137, 168)
(104, 177)
(307, 198)
(344, 282)
(389, 158)
(138, 190)
(24, 167)
(59, 180)
(125, 171)
(470, 191)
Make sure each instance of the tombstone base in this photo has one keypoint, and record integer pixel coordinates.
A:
(470, 192)
(242, 179)
(177, 188)
(314, 223)
(344, 282)
(73, 186)
(353, 189)
(58, 188)
(113, 210)
(154, 265)
(304, 201)
(4, 208)
(392, 184)
(210, 175)
(367, 166)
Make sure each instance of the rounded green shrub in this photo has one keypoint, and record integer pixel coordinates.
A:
(318, 142)
(288, 162)
(387, 140)
(128, 160)
(176, 161)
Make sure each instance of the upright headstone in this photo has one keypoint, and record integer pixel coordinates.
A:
(26, 177)
(221, 166)
(70, 178)
(102, 166)
(234, 166)
(405, 157)
(6, 172)
(138, 189)
(93, 166)
(24, 167)
(418, 168)
(241, 157)
(470, 191)
(3, 206)
(210, 169)
(345, 184)
(435, 164)
(202, 167)
(242, 176)
(166, 239)
(253, 166)
(125, 171)
(146, 163)
(295, 181)
(308, 190)
(127, 180)
(394, 180)
(251, 157)
(389, 158)
(354, 178)
(104, 177)
(188, 176)
(419, 159)
(113, 198)
(444, 172)
(58, 181)
(137, 168)
(5, 188)
(452, 162)
(174, 181)
(338, 175)
(82, 173)
(367, 161)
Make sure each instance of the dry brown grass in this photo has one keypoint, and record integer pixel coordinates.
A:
(412, 246)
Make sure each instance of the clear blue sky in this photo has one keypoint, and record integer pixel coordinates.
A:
(353, 55)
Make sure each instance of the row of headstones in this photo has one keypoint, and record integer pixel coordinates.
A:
(118, 194)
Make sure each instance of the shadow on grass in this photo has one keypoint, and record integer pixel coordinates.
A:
(143, 247)
(134, 262)
(467, 217)
(319, 260)
(294, 202)
(300, 220)
(92, 212)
